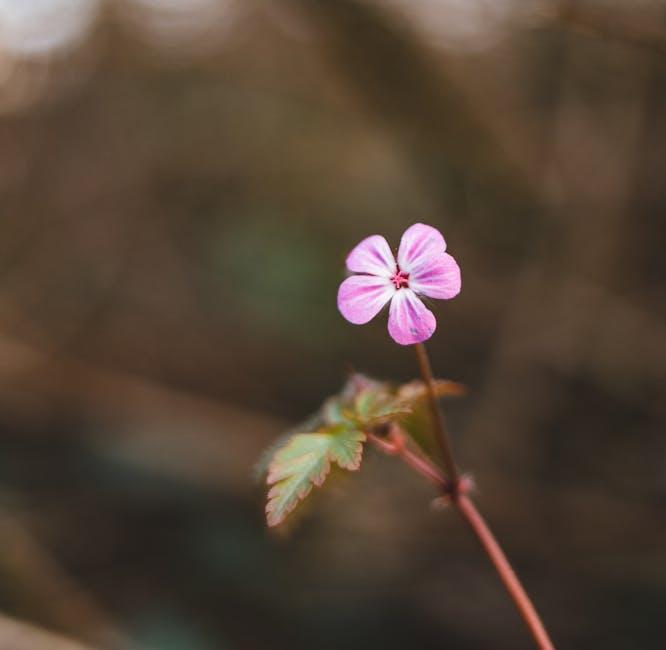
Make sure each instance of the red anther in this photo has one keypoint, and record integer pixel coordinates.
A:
(400, 279)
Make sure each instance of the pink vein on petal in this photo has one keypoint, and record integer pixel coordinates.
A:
(361, 297)
(373, 255)
(409, 320)
(418, 245)
(439, 278)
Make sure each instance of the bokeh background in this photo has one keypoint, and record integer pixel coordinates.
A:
(179, 184)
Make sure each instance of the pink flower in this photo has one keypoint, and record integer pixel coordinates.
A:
(423, 268)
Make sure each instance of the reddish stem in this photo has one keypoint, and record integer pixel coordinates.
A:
(506, 573)
(419, 464)
(438, 421)
(396, 446)
(455, 488)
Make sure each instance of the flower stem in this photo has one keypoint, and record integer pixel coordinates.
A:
(475, 521)
(453, 488)
(507, 575)
(438, 421)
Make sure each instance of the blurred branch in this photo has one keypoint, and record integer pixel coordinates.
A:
(410, 93)
(18, 635)
(179, 433)
(39, 585)
(628, 27)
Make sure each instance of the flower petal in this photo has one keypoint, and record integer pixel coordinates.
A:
(409, 320)
(361, 297)
(439, 278)
(418, 245)
(373, 255)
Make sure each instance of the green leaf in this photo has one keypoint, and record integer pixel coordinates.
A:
(376, 404)
(332, 412)
(305, 460)
(418, 424)
(311, 423)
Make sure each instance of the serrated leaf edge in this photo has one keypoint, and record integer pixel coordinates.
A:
(317, 481)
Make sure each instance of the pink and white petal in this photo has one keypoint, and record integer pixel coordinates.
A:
(361, 297)
(418, 245)
(440, 278)
(409, 320)
(373, 255)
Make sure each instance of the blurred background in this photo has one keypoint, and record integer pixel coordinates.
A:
(180, 181)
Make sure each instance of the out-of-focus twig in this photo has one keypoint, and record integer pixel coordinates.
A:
(629, 27)
(40, 585)
(408, 92)
(19, 635)
(173, 431)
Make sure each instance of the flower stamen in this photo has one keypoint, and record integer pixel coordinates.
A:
(400, 279)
